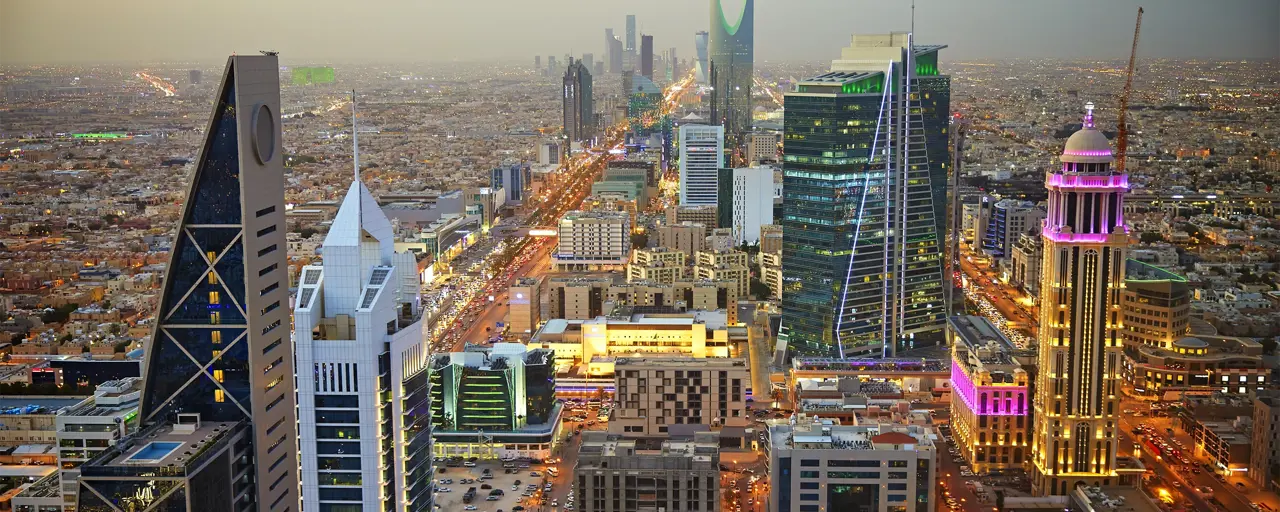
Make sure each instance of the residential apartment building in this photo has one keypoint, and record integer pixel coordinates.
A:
(613, 475)
(598, 240)
(654, 392)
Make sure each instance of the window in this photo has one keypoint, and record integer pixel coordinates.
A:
(272, 366)
(266, 211)
(266, 250)
(211, 255)
(808, 474)
(271, 307)
(808, 485)
(269, 268)
(275, 425)
(337, 432)
(215, 337)
(277, 462)
(809, 463)
(214, 297)
(219, 396)
(215, 317)
(274, 382)
(272, 346)
(341, 401)
(212, 278)
(217, 375)
(267, 230)
(270, 288)
(271, 327)
(278, 400)
(812, 496)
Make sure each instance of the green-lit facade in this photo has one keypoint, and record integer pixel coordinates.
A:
(492, 391)
(862, 268)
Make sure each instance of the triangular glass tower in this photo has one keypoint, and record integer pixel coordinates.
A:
(217, 411)
(862, 270)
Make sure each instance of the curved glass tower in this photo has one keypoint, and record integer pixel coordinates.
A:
(731, 50)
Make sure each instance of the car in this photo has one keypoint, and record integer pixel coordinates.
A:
(515, 487)
(493, 498)
(469, 464)
(1240, 485)
(470, 507)
(486, 486)
(535, 474)
(555, 503)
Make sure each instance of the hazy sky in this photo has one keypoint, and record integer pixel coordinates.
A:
(339, 31)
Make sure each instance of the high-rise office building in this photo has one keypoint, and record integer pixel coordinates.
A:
(599, 71)
(613, 475)
(1077, 400)
(579, 111)
(744, 201)
(869, 52)
(646, 56)
(589, 60)
(700, 62)
(537, 62)
(863, 267)
(631, 33)
(731, 52)
(673, 65)
(217, 408)
(551, 65)
(365, 415)
(194, 76)
(701, 157)
(614, 47)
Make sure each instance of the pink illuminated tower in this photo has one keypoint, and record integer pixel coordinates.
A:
(1077, 390)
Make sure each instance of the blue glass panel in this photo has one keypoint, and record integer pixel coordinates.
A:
(231, 269)
(201, 396)
(234, 364)
(216, 198)
(214, 239)
(198, 309)
(200, 342)
(167, 370)
(188, 267)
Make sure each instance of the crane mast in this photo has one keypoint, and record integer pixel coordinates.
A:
(1122, 133)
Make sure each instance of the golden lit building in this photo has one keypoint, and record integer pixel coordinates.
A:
(1232, 366)
(658, 264)
(771, 273)
(990, 402)
(526, 306)
(730, 265)
(1155, 304)
(694, 334)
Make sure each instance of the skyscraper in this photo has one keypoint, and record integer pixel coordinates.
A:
(701, 157)
(365, 418)
(537, 62)
(862, 267)
(646, 56)
(1078, 385)
(629, 57)
(732, 42)
(868, 52)
(217, 409)
(579, 120)
(700, 46)
(589, 60)
(615, 53)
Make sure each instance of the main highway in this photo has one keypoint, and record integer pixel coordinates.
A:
(470, 311)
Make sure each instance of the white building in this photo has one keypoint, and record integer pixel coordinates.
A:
(361, 354)
(753, 194)
(701, 156)
(880, 467)
(595, 240)
(83, 431)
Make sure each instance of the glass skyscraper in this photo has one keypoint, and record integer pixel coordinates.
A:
(731, 52)
(862, 265)
(217, 409)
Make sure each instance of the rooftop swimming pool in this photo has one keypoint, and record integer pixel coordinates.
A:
(154, 452)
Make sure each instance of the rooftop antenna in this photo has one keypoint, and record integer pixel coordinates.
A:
(913, 16)
(355, 143)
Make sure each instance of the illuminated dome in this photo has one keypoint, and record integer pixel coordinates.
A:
(1088, 146)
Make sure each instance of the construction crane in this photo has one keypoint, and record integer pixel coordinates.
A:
(1122, 135)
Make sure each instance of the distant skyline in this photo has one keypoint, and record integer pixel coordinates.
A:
(330, 31)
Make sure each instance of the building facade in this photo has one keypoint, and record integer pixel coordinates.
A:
(863, 278)
(598, 240)
(654, 392)
(1155, 306)
(494, 402)
(744, 201)
(1010, 219)
(364, 423)
(613, 475)
(763, 147)
(222, 338)
(579, 110)
(646, 56)
(525, 297)
(686, 237)
(1080, 344)
(1222, 364)
(699, 334)
(1266, 441)
(701, 156)
(731, 53)
(822, 465)
(990, 398)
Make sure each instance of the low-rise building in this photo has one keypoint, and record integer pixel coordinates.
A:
(599, 240)
(1229, 365)
(654, 392)
(1155, 304)
(823, 465)
(700, 334)
(613, 475)
(525, 298)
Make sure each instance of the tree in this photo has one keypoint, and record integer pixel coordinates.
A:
(59, 314)
(1268, 345)
(759, 289)
(308, 232)
(1151, 237)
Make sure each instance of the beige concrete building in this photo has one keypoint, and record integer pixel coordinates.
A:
(614, 475)
(582, 298)
(599, 240)
(724, 265)
(771, 238)
(763, 147)
(657, 264)
(687, 237)
(771, 273)
(1156, 305)
(576, 298)
(525, 298)
(700, 334)
(654, 392)
(704, 214)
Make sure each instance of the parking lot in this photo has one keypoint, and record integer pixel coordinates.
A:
(450, 487)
